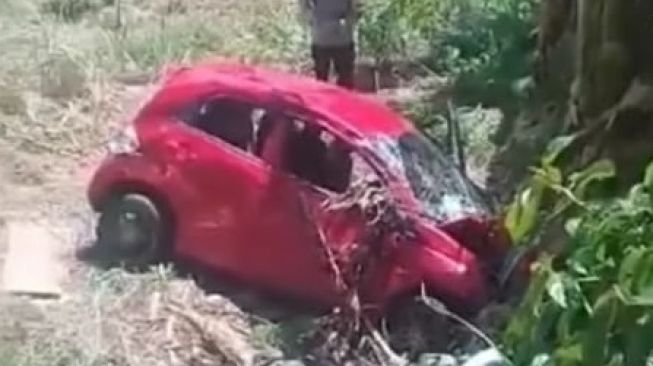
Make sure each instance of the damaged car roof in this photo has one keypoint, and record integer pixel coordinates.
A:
(349, 112)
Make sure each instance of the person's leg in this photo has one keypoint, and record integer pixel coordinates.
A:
(321, 62)
(345, 59)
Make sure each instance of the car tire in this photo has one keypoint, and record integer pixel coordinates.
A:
(133, 231)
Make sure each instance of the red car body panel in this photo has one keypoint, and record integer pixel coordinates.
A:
(237, 214)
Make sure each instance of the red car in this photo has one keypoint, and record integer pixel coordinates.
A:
(295, 186)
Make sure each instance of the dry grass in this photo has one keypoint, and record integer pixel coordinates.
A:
(62, 90)
(116, 318)
(58, 83)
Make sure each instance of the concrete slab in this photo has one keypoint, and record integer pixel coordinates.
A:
(33, 264)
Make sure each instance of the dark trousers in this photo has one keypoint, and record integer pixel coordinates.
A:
(341, 57)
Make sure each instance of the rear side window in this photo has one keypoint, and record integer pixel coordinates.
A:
(305, 150)
(226, 119)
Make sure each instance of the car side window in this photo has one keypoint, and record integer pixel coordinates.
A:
(305, 150)
(226, 119)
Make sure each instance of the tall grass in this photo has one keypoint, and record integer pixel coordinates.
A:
(60, 94)
(60, 57)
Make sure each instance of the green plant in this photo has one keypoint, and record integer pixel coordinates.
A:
(487, 45)
(529, 210)
(484, 45)
(385, 30)
(149, 48)
(593, 305)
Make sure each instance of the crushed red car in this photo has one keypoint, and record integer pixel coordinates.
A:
(294, 186)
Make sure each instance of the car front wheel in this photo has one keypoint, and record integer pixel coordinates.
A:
(132, 230)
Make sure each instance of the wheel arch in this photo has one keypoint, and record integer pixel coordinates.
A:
(159, 198)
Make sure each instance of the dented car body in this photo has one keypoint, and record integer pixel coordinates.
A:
(299, 187)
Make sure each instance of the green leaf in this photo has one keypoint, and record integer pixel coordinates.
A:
(639, 337)
(522, 214)
(638, 198)
(643, 275)
(519, 333)
(636, 191)
(571, 225)
(571, 354)
(628, 268)
(600, 170)
(549, 316)
(617, 360)
(523, 85)
(556, 289)
(556, 147)
(646, 301)
(648, 177)
(542, 359)
(595, 342)
(547, 176)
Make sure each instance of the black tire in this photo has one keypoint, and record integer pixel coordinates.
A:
(133, 231)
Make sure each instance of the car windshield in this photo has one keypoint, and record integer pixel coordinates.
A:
(443, 191)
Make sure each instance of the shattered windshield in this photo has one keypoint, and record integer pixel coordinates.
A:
(443, 190)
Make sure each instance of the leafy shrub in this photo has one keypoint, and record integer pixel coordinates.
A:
(530, 212)
(386, 30)
(486, 44)
(593, 305)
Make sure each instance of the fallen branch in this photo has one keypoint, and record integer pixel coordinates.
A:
(341, 334)
(383, 349)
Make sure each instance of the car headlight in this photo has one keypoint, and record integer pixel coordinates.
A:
(124, 141)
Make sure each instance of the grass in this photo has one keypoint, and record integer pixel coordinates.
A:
(61, 68)
(59, 98)
(124, 319)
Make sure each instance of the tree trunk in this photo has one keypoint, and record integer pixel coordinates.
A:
(609, 103)
(614, 94)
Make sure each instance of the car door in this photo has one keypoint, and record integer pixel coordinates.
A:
(215, 182)
(312, 237)
(357, 265)
(283, 250)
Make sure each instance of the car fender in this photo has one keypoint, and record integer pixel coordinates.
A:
(136, 173)
(450, 271)
(436, 261)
